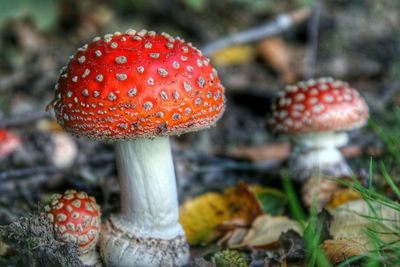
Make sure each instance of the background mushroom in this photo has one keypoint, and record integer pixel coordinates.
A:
(315, 113)
(75, 217)
(138, 89)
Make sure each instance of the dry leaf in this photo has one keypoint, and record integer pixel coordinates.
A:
(319, 188)
(342, 196)
(233, 55)
(265, 232)
(339, 250)
(349, 221)
(268, 152)
(275, 53)
(241, 203)
(202, 215)
(48, 125)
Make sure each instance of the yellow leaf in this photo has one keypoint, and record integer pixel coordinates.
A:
(342, 196)
(201, 216)
(234, 55)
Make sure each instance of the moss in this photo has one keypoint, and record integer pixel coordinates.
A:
(229, 258)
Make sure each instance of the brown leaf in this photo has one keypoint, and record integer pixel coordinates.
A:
(275, 53)
(339, 250)
(263, 153)
(319, 188)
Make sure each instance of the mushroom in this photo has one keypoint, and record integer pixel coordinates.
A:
(75, 217)
(137, 89)
(9, 142)
(316, 113)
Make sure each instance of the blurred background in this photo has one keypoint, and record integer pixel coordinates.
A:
(356, 41)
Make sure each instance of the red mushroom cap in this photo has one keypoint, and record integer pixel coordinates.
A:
(138, 84)
(320, 105)
(76, 218)
(8, 142)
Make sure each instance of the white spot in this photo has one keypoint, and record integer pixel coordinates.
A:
(81, 59)
(162, 72)
(121, 76)
(313, 100)
(154, 55)
(187, 87)
(150, 81)
(175, 65)
(75, 79)
(299, 97)
(98, 53)
(120, 60)
(328, 98)
(147, 105)
(85, 92)
(114, 45)
(140, 69)
(148, 45)
(111, 96)
(132, 92)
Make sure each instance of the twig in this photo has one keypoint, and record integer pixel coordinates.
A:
(270, 28)
(23, 118)
(207, 164)
(310, 59)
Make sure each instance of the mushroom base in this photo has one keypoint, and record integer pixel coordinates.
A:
(91, 258)
(323, 161)
(123, 248)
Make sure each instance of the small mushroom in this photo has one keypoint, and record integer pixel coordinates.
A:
(75, 217)
(137, 89)
(9, 142)
(316, 113)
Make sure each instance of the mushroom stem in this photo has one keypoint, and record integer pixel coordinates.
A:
(147, 232)
(317, 154)
(148, 187)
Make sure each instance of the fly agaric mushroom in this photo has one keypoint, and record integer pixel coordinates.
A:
(316, 113)
(137, 89)
(75, 217)
(8, 143)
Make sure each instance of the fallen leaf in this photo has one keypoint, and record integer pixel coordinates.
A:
(242, 203)
(265, 231)
(318, 189)
(272, 201)
(342, 196)
(338, 250)
(276, 54)
(233, 55)
(354, 218)
(268, 152)
(48, 125)
(201, 216)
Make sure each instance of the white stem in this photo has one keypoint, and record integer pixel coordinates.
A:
(322, 140)
(149, 201)
(316, 154)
